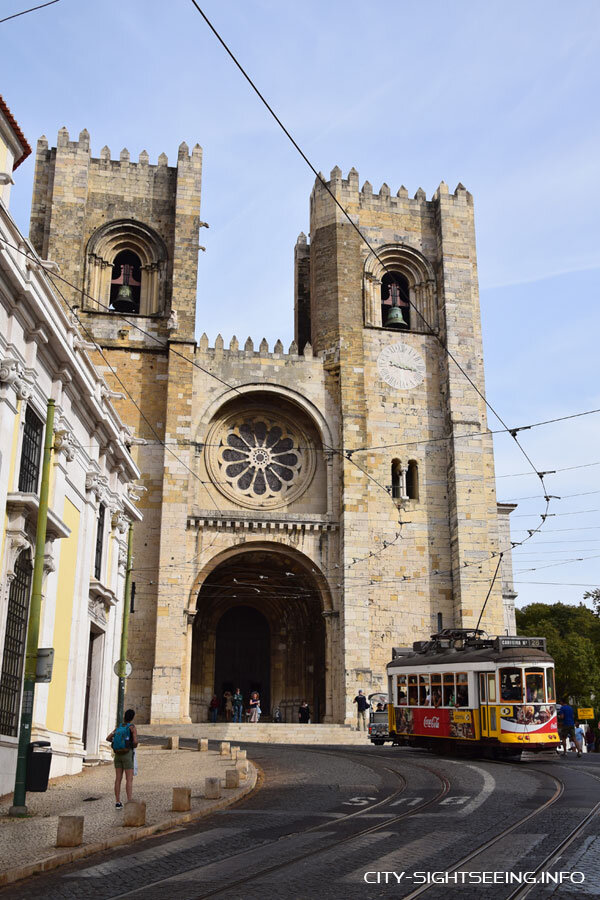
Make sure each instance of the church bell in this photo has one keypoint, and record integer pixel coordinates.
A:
(123, 302)
(395, 317)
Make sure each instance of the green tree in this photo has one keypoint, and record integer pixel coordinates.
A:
(573, 635)
(594, 596)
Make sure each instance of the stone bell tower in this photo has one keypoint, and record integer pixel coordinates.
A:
(125, 235)
(419, 513)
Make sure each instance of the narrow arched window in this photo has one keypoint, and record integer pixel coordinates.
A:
(126, 282)
(412, 480)
(398, 488)
(395, 302)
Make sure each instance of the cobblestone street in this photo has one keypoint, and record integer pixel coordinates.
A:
(325, 817)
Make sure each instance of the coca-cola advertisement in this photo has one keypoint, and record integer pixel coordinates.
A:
(432, 722)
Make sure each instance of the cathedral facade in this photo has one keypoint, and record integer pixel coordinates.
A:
(305, 509)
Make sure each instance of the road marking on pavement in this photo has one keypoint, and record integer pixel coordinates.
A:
(154, 853)
(358, 801)
(489, 785)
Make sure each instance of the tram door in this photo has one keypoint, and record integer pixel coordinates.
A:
(487, 704)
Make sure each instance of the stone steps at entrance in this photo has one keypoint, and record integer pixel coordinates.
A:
(267, 733)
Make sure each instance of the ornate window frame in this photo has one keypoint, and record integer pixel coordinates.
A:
(103, 247)
(421, 282)
(302, 448)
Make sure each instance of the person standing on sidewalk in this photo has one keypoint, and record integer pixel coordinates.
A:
(304, 713)
(254, 706)
(362, 705)
(566, 726)
(238, 705)
(124, 740)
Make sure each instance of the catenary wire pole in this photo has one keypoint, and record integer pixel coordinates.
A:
(125, 628)
(19, 807)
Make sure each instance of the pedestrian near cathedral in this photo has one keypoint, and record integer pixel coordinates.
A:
(304, 713)
(362, 705)
(213, 708)
(228, 699)
(254, 706)
(123, 740)
(238, 705)
(566, 726)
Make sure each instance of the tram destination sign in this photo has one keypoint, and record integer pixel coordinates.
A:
(509, 641)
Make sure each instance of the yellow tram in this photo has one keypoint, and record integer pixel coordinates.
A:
(461, 691)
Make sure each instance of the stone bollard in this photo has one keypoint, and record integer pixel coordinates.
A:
(70, 831)
(203, 744)
(242, 767)
(182, 799)
(224, 748)
(134, 813)
(212, 788)
(172, 743)
(232, 778)
(241, 754)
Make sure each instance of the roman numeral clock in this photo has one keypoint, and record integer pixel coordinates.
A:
(400, 366)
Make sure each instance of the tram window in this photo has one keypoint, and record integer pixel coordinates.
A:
(424, 691)
(482, 689)
(493, 718)
(462, 689)
(511, 685)
(534, 685)
(492, 688)
(413, 690)
(401, 685)
(550, 692)
(449, 695)
(436, 690)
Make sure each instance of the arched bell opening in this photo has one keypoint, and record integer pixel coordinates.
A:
(259, 625)
(126, 282)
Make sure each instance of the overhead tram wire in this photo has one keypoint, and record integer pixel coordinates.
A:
(116, 313)
(347, 452)
(73, 310)
(431, 331)
(470, 434)
(25, 11)
(144, 417)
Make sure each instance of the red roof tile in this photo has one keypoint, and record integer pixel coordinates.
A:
(21, 137)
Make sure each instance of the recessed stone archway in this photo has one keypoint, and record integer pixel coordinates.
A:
(280, 586)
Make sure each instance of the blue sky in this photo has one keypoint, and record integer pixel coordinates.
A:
(501, 96)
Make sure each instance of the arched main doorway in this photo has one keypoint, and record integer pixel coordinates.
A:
(243, 653)
(259, 621)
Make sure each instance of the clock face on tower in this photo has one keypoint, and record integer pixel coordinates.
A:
(401, 366)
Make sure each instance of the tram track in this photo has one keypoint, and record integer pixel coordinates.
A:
(523, 891)
(307, 854)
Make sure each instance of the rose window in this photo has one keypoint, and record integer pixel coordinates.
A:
(259, 460)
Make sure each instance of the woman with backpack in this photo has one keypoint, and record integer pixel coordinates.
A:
(123, 741)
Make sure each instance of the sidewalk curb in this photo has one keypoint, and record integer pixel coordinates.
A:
(18, 873)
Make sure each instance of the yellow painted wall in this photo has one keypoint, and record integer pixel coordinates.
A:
(65, 597)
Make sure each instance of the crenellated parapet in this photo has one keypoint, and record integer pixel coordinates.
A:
(349, 189)
(354, 199)
(86, 209)
(248, 351)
